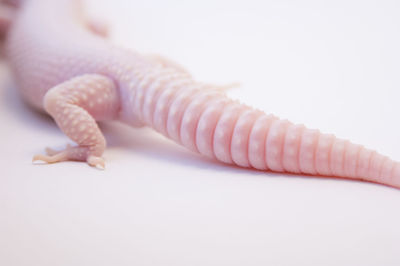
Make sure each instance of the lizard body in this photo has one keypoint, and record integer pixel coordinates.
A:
(79, 77)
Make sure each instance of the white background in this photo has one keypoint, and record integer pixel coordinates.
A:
(333, 65)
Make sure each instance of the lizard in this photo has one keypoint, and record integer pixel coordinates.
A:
(66, 67)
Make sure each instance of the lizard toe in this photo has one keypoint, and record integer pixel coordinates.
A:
(58, 157)
(97, 162)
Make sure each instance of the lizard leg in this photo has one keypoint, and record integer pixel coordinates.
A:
(169, 63)
(75, 105)
(166, 62)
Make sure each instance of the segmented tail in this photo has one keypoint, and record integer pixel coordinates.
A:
(206, 121)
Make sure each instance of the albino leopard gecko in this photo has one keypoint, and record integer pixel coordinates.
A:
(66, 67)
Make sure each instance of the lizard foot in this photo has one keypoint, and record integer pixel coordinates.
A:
(71, 154)
(75, 105)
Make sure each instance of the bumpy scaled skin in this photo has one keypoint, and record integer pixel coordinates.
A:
(64, 65)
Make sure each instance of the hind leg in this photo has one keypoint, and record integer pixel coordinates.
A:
(75, 105)
(169, 63)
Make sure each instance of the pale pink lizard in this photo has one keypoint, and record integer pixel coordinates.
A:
(65, 66)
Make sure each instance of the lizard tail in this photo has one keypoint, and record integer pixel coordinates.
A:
(206, 121)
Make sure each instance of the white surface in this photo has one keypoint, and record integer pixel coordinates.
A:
(332, 65)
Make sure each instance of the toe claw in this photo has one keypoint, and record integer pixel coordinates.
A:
(97, 162)
(100, 166)
(38, 157)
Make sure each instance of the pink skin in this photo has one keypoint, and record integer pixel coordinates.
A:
(78, 77)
